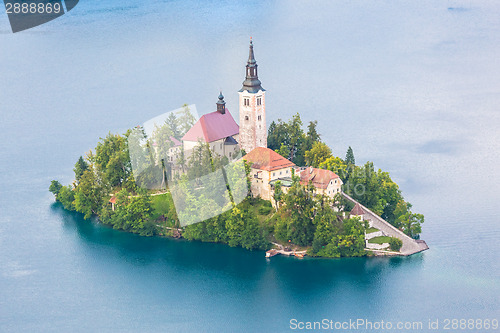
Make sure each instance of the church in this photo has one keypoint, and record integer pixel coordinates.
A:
(219, 130)
(226, 138)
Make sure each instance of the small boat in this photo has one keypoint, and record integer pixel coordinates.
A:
(299, 255)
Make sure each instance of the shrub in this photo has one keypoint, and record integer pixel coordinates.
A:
(395, 244)
(264, 210)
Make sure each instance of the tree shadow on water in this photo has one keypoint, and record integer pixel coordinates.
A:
(184, 255)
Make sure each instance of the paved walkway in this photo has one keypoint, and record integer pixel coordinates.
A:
(410, 245)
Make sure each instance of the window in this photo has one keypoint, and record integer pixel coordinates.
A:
(246, 101)
(221, 146)
(246, 117)
(229, 154)
(259, 118)
(280, 173)
(286, 170)
(335, 181)
(274, 174)
(259, 101)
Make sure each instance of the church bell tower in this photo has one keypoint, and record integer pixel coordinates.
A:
(252, 98)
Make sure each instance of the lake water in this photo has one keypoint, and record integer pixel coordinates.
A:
(412, 86)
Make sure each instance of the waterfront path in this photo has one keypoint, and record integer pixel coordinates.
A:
(281, 250)
(410, 245)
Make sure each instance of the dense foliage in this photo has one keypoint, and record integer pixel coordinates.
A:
(289, 139)
(373, 188)
(308, 220)
(102, 173)
(395, 244)
(236, 227)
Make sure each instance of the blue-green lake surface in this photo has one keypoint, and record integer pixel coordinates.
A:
(412, 86)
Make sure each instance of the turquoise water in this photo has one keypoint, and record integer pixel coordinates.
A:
(413, 87)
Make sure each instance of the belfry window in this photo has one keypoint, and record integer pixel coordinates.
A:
(246, 101)
(259, 101)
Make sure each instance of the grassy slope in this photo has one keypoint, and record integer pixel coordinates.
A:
(380, 239)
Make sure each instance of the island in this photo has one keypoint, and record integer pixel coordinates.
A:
(278, 189)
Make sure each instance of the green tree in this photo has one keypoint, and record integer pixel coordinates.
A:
(288, 139)
(300, 203)
(55, 187)
(161, 137)
(312, 134)
(252, 237)
(411, 224)
(173, 124)
(278, 194)
(216, 229)
(351, 241)
(278, 135)
(284, 151)
(395, 244)
(235, 226)
(186, 120)
(132, 214)
(318, 154)
(112, 159)
(337, 165)
(89, 194)
(349, 157)
(80, 168)
(324, 221)
(66, 197)
(297, 138)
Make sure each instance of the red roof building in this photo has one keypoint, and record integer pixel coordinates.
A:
(320, 178)
(324, 181)
(267, 159)
(212, 127)
(267, 166)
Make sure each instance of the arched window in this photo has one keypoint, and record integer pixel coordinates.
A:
(246, 117)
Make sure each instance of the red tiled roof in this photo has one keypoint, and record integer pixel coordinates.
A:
(175, 141)
(357, 210)
(267, 159)
(320, 178)
(212, 126)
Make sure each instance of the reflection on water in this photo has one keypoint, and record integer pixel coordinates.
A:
(311, 275)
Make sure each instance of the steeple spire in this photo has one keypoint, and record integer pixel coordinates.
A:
(221, 104)
(251, 57)
(252, 82)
